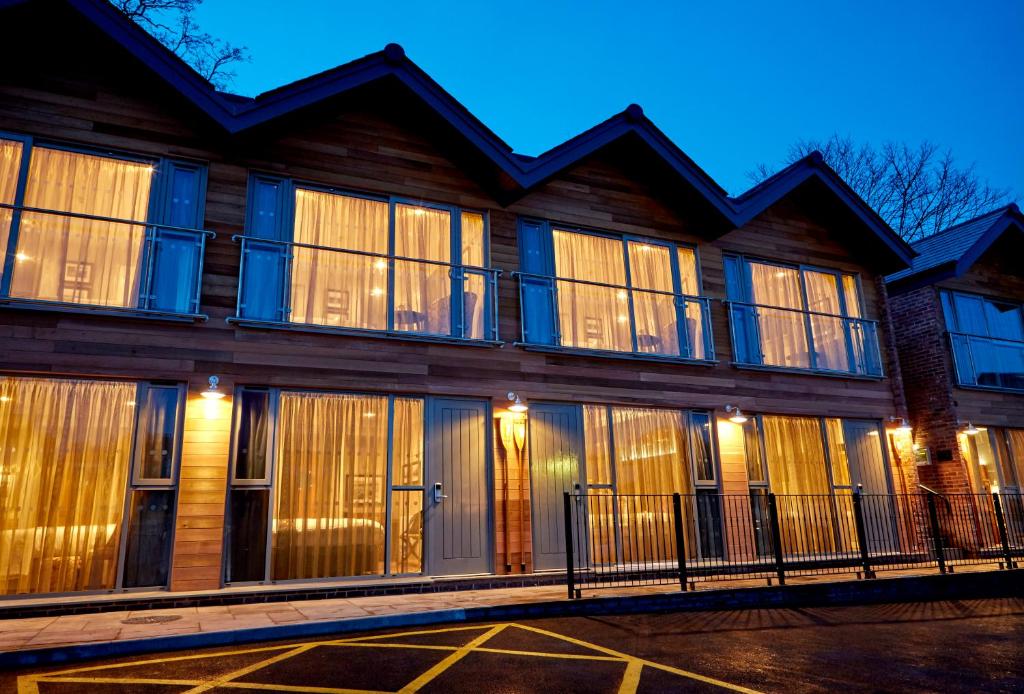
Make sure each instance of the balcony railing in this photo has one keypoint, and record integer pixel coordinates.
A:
(786, 338)
(309, 287)
(596, 317)
(988, 362)
(82, 262)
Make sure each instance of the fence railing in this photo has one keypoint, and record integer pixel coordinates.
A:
(285, 283)
(778, 337)
(619, 540)
(70, 259)
(988, 362)
(583, 315)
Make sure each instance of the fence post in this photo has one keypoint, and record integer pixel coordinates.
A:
(677, 518)
(569, 571)
(933, 517)
(773, 513)
(1001, 523)
(862, 535)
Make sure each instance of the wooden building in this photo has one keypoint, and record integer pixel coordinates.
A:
(420, 338)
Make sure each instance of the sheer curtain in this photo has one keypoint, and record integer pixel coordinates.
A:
(828, 332)
(796, 466)
(650, 267)
(64, 466)
(330, 491)
(332, 288)
(689, 284)
(407, 471)
(1016, 437)
(10, 165)
(783, 333)
(474, 285)
(589, 316)
(77, 260)
(423, 292)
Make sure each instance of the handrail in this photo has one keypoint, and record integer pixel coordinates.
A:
(556, 278)
(111, 220)
(237, 238)
(801, 311)
(930, 490)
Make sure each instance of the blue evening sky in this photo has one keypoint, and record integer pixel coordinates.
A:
(733, 83)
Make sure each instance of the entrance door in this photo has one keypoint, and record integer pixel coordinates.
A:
(868, 469)
(556, 458)
(457, 519)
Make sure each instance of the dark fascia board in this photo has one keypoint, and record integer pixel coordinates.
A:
(762, 196)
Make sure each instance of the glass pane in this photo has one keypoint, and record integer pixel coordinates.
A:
(650, 451)
(330, 500)
(423, 292)
(334, 287)
(795, 456)
(147, 557)
(156, 439)
(602, 517)
(473, 239)
(851, 294)
(999, 364)
(837, 452)
(752, 450)
(78, 260)
(783, 338)
(700, 436)
(406, 532)
(1016, 440)
(829, 334)
(688, 277)
(981, 460)
(590, 316)
(597, 445)
(407, 457)
(695, 330)
(253, 425)
(970, 314)
(774, 285)
(176, 259)
(1004, 320)
(474, 304)
(650, 267)
(1007, 473)
(709, 524)
(247, 543)
(10, 165)
(65, 456)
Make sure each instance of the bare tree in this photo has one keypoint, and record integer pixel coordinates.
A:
(172, 22)
(918, 190)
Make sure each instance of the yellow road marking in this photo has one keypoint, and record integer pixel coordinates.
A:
(258, 686)
(631, 678)
(378, 637)
(114, 680)
(420, 646)
(538, 654)
(251, 668)
(455, 657)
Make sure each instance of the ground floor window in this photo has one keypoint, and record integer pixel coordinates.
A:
(87, 483)
(995, 459)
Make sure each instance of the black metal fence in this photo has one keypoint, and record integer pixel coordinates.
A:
(617, 540)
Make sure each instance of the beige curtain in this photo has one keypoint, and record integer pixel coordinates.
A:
(331, 287)
(589, 316)
(330, 491)
(474, 285)
(64, 460)
(852, 296)
(423, 292)
(828, 332)
(690, 286)
(1016, 437)
(981, 460)
(76, 260)
(796, 468)
(783, 333)
(650, 267)
(407, 471)
(597, 444)
(10, 165)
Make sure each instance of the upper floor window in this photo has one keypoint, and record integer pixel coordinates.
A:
(987, 336)
(799, 317)
(593, 291)
(318, 257)
(89, 229)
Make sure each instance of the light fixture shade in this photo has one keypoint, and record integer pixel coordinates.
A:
(517, 406)
(213, 392)
(971, 430)
(737, 414)
(904, 426)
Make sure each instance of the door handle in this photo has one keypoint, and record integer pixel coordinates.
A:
(438, 496)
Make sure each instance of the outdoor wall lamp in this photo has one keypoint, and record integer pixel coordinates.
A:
(213, 392)
(737, 414)
(903, 427)
(517, 405)
(971, 430)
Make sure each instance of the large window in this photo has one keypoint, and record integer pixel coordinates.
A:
(995, 458)
(315, 257)
(90, 229)
(799, 318)
(77, 510)
(987, 336)
(326, 485)
(598, 292)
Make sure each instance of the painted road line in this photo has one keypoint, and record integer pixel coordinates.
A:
(455, 657)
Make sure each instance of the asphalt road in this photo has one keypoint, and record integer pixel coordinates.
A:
(938, 646)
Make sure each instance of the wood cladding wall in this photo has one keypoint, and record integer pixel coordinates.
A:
(84, 91)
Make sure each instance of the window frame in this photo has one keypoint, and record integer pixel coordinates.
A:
(952, 322)
(138, 481)
(157, 204)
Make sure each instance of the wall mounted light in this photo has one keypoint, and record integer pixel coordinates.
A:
(517, 405)
(213, 392)
(737, 414)
(903, 427)
(971, 430)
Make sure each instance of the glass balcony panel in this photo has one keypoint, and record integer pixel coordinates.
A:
(657, 329)
(783, 338)
(830, 350)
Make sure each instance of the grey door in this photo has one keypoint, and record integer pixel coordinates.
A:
(457, 519)
(556, 455)
(864, 441)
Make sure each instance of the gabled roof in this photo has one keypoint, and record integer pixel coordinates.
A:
(235, 114)
(952, 251)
